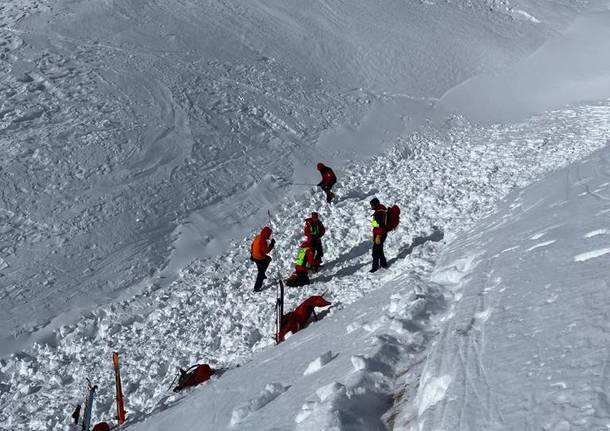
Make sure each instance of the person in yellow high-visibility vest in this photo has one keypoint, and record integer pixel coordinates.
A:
(379, 234)
(305, 261)
(315, 230)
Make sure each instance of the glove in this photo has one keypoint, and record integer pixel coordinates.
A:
(377, 239)
(272, 243)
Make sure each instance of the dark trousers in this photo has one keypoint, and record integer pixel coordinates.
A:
(262, 265)
(378, 256)
(317, 245)
(329, 194)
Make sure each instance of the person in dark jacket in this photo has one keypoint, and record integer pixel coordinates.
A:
(328, 181)
(259, 254)
(379, 234)
(315, 230)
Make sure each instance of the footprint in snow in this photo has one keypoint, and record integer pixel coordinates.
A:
(328, 396)
(319, 362)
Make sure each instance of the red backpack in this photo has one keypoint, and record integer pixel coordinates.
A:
(392, 218)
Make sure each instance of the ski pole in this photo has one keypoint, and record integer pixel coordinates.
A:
(269, 217)
(301, 184)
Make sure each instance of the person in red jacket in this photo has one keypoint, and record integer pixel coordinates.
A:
(328, 181)
(315, 230)
(259, 254)
(305, 261)
(379, 234)
(296, 320)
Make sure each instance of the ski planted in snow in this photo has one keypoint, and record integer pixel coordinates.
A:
(89, 407)
(120, 407)
(279, 310)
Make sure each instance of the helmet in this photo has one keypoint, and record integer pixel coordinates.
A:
(319, 166)
(315, 215)
(374, 203)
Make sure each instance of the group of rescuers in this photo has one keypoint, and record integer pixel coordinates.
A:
(311, 252)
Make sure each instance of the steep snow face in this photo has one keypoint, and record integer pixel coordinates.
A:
(527, 344)
(140, 135)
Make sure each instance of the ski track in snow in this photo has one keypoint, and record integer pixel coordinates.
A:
(596, 233)
(539, 245)
(444, 178)
(582, 257)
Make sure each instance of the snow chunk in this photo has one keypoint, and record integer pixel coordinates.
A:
(454, 273)
(271, 392)
(326, 391)
(318, 363)
(433, 391)
(358, 362)
(483, 315)
(306, 410)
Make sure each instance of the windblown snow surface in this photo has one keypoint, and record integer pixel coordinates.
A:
(145, 141)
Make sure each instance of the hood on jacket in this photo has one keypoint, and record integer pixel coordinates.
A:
(266, 232)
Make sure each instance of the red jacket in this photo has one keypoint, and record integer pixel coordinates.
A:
(297, 319)
(311, 225)
(379, 219)
(328, 176)
(260, 246)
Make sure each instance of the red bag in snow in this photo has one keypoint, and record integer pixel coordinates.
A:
(296, 320)
(102, 426)
(193, 376)
(392, 218)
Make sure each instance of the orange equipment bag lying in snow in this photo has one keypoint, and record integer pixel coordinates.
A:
(193, 376)
(297, 319)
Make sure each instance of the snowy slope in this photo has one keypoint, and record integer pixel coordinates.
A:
(526, 345)
(444, 178)
(378, 344)
(141, 135)
(149, 134)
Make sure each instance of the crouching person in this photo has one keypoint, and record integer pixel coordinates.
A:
(305, 261)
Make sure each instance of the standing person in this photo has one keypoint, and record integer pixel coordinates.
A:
(328, 181)
(305, 261)
(314, 230)
(379, 234)
(260, 249)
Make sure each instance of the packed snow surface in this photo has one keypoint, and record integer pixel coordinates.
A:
(145, 141)
(526, 346)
